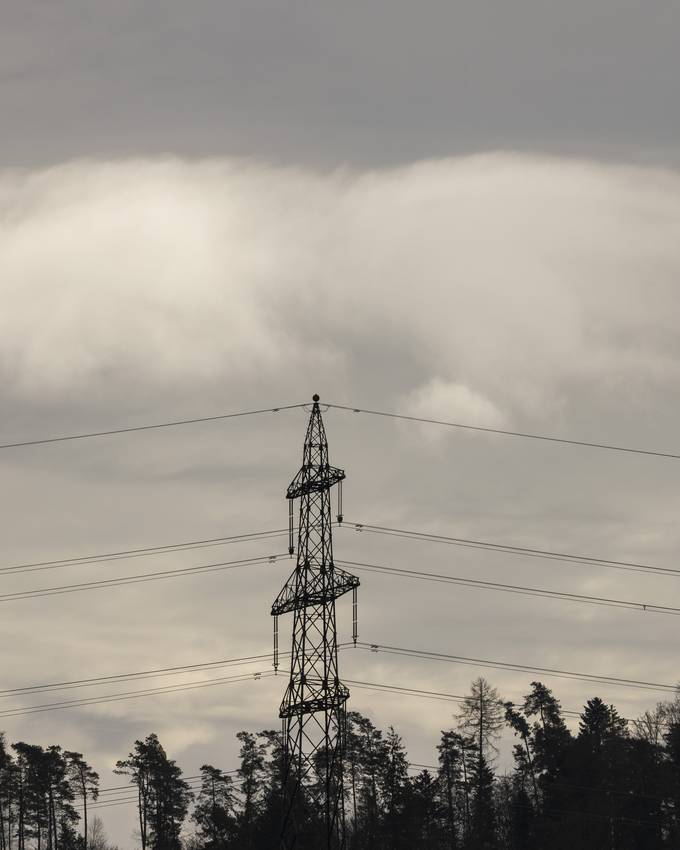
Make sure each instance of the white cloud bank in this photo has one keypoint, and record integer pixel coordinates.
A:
(503, 277)
(449, 401)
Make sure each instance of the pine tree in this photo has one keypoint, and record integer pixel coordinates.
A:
(370, 755)
(672, 740)
(522, 819)
(524, 759)
(451, 754)
(251, 775)
(163, 796)
(33, 810)
(423, 825)
(352, 774)
(6, 794)
(483, 815)
(85, 782)
(269, 821)
(393, 781)
(214, 810)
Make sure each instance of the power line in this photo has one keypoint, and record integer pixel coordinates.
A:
(422, 692)
(372, 686)
(195, 780)
(361, 684)
(508, 549)
(359, 527)
(124, 554)
(135, 676)
(253, 676)
(434, 577)
(153, 426)
(513, 588)
(390, 650)
(139, 675)
(137, 579)
(430, 421)
(131, 785)
(619, 681)
(199, 667)
(544, 437)
(194, 783)
(400, 690)
(196, 786)
(126, 798)
(127, 695)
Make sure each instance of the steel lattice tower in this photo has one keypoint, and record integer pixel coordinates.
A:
(313, 707)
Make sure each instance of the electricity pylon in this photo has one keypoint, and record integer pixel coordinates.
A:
(313, 707)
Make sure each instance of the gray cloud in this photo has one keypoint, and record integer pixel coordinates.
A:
(388, 81)
(537, 292)
(194, 270)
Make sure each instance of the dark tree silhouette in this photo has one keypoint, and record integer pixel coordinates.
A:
(163, 797)
(214, 811)
(610, 785)
(85, 780)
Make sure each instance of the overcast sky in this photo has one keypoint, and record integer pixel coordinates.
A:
(462, 210)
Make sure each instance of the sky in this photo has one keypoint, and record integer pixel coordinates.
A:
(468, 212)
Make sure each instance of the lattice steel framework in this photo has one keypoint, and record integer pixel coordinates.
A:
(313, 707)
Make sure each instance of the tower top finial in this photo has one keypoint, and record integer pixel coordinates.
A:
(315, 397)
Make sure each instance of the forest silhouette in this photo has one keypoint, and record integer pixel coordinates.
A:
(612, 783)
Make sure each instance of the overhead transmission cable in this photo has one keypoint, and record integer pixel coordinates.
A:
(150, 427)
(442, 578)
(140, 578)
(359, 527)
(353, 409)
(386, 649)
(195, 783)
(509, 549)
(130, 785)
(127, 695)
(516, 667)
(125, 554)
(518, 589)
(157, 672)
(245, 677)
(402, 690)
(504, 432)
(134, 800)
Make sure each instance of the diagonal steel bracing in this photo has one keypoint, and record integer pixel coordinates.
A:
(313, 706)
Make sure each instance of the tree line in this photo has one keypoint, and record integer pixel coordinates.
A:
(42, 795)
(610, 784)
